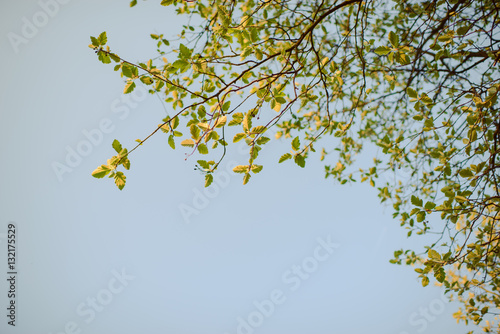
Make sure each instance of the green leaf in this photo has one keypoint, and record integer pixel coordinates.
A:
(104, 58)
(128, 70)
(258, 54)
(402, 58)
(171, 141)
(439, 55)
(466, 173)
(180, 64)
(462, 30)
(472, 135)
(203, 164)
(257, 168)
(238, 116)
(159, 84)
(429, 206)
(117, 146)
(440, 275)
(296, 143)
(275, 105)
(383, 50)
(187, 142)
(103, 39)
(444, 38)
(254, 152)
(133, 3)
(147, 80)
(421, 216)
(394, 39)
(185, 52)
(94, 41)
(426, 99)
(195, 131)
(246, 178)
(429, 123)
(101, 171)
(285, 157)
(126, 163)
(226, 106)
(238, 137)
(202, 148)
(280, 99)
(116, 59)
(209, 178)
(246, 52)
(212, 135)
(235, 121)
(425, 281)
(411, 93)
(300, 160)
(201, 112)
(174, 122)
(262, 140)
(129, 87)
(258, 129)
(434, 255)
(120, 180)
(416, 201)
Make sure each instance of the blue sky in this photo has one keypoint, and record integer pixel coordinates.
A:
(290, 252)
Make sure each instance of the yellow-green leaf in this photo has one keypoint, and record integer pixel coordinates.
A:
(394, 39)
(171, 141)
(382, 50)
(221, 121)
(208, 179)
(425, 281)
(202, 148)
(129, 87)
(285, 157)
(434, 255)
(187, 142)
(101, 171)
(238, 137)
(241, 169)
(256, 168)
(120, 179)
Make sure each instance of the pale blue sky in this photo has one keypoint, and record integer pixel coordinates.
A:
(92, 259)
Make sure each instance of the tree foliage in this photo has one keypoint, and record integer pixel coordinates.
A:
(418, 80)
